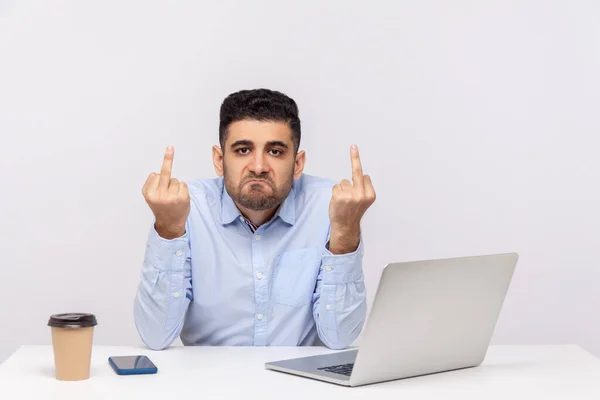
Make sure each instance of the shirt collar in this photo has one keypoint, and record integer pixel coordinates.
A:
(286, 211)
(229, 211)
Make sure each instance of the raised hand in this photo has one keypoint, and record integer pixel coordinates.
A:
(349, 202)
(168, 198)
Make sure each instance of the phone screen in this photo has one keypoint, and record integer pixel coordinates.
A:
(133, 362)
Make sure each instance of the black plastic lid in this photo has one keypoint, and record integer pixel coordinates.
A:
(72, 320)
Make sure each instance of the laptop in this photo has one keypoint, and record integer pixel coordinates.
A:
(427, 317)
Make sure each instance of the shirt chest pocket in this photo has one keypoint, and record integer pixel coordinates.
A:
(295, 277)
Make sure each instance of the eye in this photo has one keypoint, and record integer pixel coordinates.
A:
(275, 152)
(243, 150)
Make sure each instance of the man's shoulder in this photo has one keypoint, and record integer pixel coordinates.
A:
(211, 188)
(310, 184)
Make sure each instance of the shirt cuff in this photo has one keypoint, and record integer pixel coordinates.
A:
(166, 254)
(342, 268)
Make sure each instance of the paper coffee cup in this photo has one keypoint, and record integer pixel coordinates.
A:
(72, 337)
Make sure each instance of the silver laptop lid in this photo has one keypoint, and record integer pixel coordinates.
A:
(432, 316)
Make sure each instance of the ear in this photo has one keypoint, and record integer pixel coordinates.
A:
(217, 156)
(299, 164)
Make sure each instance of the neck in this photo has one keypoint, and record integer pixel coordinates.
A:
(257, 217)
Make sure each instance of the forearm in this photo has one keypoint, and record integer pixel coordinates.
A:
(340, 306)
(164, 292)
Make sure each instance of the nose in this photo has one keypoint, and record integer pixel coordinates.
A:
(258, 163)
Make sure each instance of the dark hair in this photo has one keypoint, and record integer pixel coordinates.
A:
(259, 105)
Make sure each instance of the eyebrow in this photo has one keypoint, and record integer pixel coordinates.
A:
(242, 143)
(277, 143)
(249, 143)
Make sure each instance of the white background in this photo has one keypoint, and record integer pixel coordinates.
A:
(478, 121)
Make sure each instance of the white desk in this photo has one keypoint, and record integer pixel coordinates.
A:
(199, 373)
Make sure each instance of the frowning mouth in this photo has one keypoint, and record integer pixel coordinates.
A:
(254, 181)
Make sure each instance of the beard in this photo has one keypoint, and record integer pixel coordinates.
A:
(260, 195)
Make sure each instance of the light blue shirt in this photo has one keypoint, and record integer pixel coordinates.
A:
(222, 284)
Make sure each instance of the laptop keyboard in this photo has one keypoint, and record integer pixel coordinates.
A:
(344, 369)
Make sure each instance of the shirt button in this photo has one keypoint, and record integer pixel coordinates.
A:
(257, 237)
(243, 219)
(259, 275)
(179, 253)
(328, 306)
(328, 268)
(260, 316)
(176, 294)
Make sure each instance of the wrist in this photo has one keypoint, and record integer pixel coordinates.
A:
(169, 231)
(344, 239)
(345, 229)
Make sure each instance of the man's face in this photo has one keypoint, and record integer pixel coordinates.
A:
(259, 164)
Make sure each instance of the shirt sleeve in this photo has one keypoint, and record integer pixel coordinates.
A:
(339, 302)
(165, 290)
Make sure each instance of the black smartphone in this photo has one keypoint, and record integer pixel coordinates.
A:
(132, 365)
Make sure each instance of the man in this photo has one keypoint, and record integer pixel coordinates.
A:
(263, 254)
